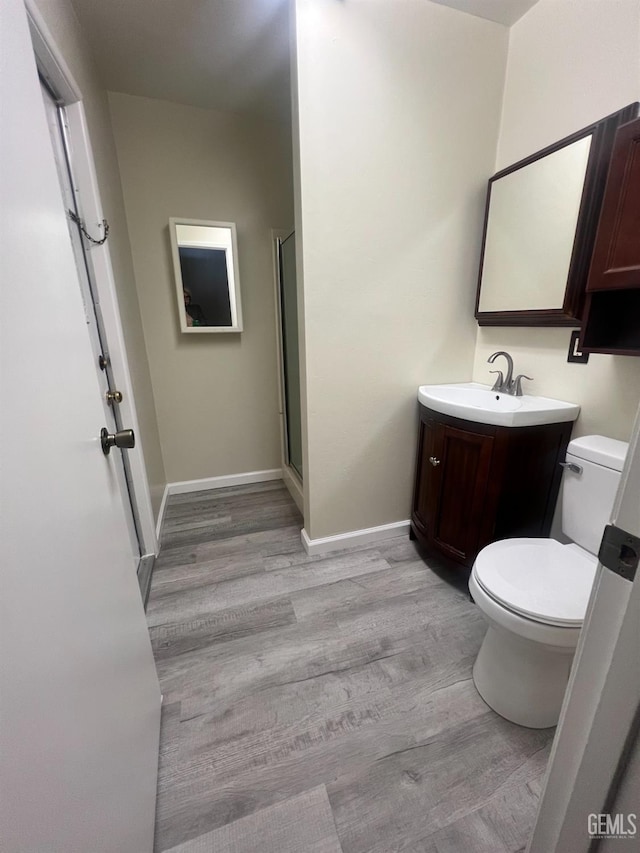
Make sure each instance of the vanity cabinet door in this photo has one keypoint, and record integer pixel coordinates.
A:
(451, 484)
(427, 475)
(465, 459)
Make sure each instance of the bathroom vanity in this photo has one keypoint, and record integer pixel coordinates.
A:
(478, 482)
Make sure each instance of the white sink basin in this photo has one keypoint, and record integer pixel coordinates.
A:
(475, 402)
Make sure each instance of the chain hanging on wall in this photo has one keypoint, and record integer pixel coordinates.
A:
(105, 225)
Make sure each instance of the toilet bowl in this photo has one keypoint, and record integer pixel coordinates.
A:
(534, 593)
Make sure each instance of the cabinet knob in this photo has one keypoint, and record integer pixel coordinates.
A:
(434, 461)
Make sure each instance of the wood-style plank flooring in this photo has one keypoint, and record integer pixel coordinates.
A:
(323, 704)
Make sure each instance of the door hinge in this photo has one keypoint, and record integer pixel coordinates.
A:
(619, 552)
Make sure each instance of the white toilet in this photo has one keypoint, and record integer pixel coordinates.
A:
(534, 592)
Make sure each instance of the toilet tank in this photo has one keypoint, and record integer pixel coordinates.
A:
(588, 495)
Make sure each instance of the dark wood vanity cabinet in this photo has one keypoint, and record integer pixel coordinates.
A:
(612, 313)
(476, 483)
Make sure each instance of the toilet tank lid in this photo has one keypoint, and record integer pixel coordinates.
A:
(599, 449)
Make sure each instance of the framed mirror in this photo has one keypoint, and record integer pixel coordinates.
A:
(205, 260)
(540, 223)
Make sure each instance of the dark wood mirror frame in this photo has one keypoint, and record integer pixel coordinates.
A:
(570, 314)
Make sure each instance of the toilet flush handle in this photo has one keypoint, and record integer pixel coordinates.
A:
(571, 466)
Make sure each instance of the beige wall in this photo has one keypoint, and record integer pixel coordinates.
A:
(216, 395)
(570, 63)
(65, 29)
(399, 107)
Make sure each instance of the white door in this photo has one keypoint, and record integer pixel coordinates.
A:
(70, 202)
(591, 796)
(79, 697)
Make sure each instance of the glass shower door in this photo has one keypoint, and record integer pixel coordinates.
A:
(290, 351)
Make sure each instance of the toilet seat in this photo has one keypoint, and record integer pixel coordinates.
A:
(539, 579)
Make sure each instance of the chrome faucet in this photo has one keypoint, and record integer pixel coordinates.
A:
(507, 385)
(502, 385)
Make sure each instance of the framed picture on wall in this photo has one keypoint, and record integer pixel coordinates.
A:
(205, 260)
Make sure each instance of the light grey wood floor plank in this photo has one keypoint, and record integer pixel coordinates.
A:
(417, 791)
(286, 704)
(510, 814)
(217, 675)
(223, 528)
(206, 572)
(239, 501)
(200, 520)
(502, 824)
(214, 784)
(206, 598)
(193, 517)
(353, 592)
(355, 734)
(260, 543)
(468, 833)
(223, 626)
(302, 824)
(299, 557)
(284, 673)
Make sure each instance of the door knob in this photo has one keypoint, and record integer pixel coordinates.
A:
(113, 397)
(122, 438)
(434, 461)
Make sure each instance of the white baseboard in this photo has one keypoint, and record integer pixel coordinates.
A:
(294, 486)
(355, 537)
(182, 487)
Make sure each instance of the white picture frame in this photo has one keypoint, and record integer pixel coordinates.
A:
(207, 279)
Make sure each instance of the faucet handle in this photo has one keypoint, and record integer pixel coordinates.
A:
(517, 384)
(499, 383)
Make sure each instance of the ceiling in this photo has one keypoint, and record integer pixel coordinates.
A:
(230, 55)
(501, 11)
